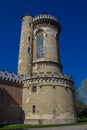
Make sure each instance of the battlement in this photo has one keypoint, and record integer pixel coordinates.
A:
(11, 77)
(51, 79)
(44, 16)
(48, 74)
(47, 19)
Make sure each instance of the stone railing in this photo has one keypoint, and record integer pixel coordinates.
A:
(44, 16)
(11, 77)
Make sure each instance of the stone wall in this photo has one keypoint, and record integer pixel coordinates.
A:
(10, 98)
(53, 99)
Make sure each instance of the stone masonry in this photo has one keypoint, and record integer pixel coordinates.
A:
(47, 92)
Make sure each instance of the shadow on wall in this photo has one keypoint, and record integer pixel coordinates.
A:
(22, 116)
(10, 105)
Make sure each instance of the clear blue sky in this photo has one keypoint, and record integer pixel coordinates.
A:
(72, 15)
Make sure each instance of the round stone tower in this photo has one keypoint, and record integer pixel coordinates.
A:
(47, 93)
(46, 56)
(25, 52)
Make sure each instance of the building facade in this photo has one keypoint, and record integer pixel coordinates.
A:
(47, 96)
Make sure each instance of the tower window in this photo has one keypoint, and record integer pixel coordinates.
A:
(29, 24)
(29, 50)
(33, 109)
(40, 46)
(34, 89)
(28, 38)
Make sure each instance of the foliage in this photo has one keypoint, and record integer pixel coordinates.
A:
(81, 109)
(82, 92)
(81, 100)
(84, 85)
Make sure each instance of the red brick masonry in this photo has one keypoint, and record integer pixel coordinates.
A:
(10, 101)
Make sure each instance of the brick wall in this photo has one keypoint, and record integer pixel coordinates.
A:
(10, 102)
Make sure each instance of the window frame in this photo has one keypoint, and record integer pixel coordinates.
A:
(40, 45)
(34, 88)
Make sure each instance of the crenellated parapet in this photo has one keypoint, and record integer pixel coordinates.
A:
(47, 19)
(49, 78)
(6, 76)
(44, 16)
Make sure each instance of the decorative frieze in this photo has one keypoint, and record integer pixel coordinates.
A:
(51, 79)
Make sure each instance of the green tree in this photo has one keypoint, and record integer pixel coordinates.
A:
(81, 109)
(84, 85)
(81, 100)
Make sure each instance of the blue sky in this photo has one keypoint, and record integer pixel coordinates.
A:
(72, 15)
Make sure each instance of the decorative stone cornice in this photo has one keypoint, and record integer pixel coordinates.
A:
(47, 19)
(56, 79)
(10, 77)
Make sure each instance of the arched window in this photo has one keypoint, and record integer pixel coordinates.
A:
(40, 46)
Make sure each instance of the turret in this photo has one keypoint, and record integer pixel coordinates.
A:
(46, 57)
(25, 50)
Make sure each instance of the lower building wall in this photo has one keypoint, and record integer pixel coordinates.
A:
(49, 121)
(10, 103)
(53, 104)
(47, 102)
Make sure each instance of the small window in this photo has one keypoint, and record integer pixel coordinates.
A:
(29, 50)
(34, 89)
(29, 24)
(33, 109)
(29, 39)
(46, 35)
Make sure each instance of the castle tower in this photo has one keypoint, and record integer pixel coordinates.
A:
(47, 93)
(46, 56)
(25, 52)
